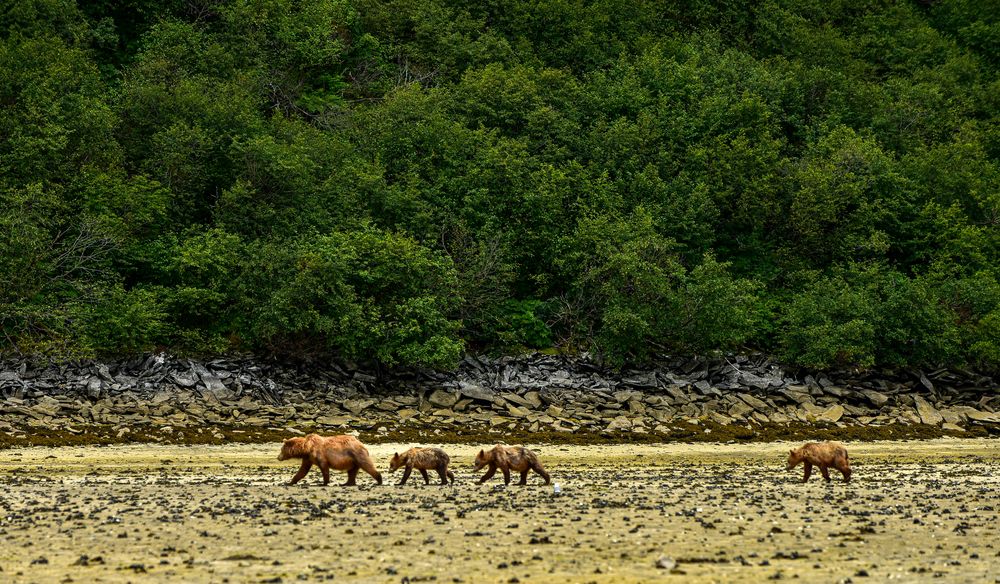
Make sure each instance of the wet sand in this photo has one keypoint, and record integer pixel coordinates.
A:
(706, 512)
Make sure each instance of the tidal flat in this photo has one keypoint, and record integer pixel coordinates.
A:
(914, 511)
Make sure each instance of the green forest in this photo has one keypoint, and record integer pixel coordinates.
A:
(402, 181)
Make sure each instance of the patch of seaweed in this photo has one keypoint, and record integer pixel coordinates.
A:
(380, 432)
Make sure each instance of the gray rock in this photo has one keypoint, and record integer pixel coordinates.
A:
(665, 563)
(720, 419)
(983, 417)
(364, 377)
(534, 399)
(645, 381)
(928, 413)
(619, 424)
(337, 421)
(356, 406)
(511, 398)
(212, 383)
(877, 399)
(951, 417)
(756, 381)
(94, 387)
(755, 403)
(636, 407)
(797, 393)
(406, 414)
(443, 399)
(104, 373)
(835, 391)
(740, 410)
(473, 391)
(516, 411)
(680, 397)
(665, 415)
(625, 395)
(833, 414)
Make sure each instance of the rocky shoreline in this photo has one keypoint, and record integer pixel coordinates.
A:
(162, 397)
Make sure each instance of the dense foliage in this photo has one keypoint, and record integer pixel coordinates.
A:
(399, 180)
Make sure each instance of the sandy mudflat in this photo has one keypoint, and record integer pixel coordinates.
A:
(720, 513)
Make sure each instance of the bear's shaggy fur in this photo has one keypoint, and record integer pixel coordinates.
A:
(336, 452)
(423, 459)
(824, 455)
(508, 458)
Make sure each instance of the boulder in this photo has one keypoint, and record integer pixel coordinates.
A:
(720, 419)
(754, 403)
(443, 399)
(473, 391)
(338, 421)
(516, 411)
(680, 397)
(797, 393)
(983, 417)
(624, 396)
(740, 410)
(928, 413)
(877, 399)
(356, 406)
(619, 424)
(749, 379)
(94, 387)
(636, 407)
(833, 414)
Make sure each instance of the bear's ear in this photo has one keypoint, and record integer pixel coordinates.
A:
(482, 452)
(792, 451)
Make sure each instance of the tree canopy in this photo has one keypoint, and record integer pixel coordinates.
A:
(402, 180)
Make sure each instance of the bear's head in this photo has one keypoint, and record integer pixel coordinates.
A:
(482, 459)
(794, 458)
(292, 448)
(396, 462)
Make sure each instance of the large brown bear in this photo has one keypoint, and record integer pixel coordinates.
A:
(508, 458)
(823, 455)
(423, 459)
(336, 452)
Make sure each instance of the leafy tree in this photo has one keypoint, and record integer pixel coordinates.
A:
(364, 294)
(392, 180)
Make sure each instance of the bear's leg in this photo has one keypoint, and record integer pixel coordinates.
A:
(538, 468)
(825, 473)
(325, 469)
(406, 474)
(365, 463)
(306, 465)
(809, 469)
(427, 478)
(506, 475)
(846, 471)
(442, 471)
(489, 474)
(352, 475)
(451, 476)
(524, 477)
